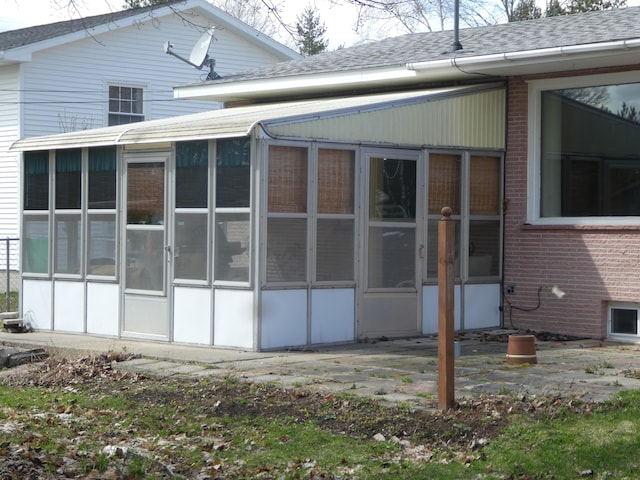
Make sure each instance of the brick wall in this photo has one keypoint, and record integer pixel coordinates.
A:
(594, 265)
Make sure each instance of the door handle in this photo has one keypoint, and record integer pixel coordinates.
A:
(167, 248)
(421, 251)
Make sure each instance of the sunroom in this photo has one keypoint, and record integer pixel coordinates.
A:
(268, 226)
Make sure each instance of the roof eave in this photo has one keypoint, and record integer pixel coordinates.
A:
(295, 85)
(527, 62)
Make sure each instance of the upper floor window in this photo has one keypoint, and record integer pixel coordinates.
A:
(125, 105)
(589, 150)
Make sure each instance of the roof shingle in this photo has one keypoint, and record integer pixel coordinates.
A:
(550, 32)
(27, 36)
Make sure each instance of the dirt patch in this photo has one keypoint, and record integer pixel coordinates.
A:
(457, 434)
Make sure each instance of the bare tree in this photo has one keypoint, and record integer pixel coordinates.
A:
(424, 15)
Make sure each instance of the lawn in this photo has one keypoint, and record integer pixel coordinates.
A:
(79, 418)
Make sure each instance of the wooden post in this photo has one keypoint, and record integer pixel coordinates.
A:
(446, 276)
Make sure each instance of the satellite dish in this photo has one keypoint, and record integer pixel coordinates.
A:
(199, 56)
(200, 50)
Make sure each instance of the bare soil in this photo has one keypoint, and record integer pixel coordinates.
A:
(460, 433)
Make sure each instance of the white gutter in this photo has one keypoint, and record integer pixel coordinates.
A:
(524, 56)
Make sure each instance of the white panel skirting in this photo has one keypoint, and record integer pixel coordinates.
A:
(233, 324)
(283, 319)
(103, 309)
(68, 306)
(332, 315)
(36, 304)
(481, 306)
(192, 318)
(430, 309)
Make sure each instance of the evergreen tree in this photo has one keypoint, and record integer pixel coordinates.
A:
(555, 7)
(525, 10)
(310, 32)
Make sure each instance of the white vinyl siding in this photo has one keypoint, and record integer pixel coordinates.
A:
(9, 185)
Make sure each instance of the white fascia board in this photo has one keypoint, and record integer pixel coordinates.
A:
(17, 55)
(296, 84)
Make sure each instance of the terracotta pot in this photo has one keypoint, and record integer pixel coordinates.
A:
(521, 349)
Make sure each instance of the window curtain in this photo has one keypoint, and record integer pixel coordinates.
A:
(233, 152)
(102, 159)
(192, 154)
(36, 163)
(68, 161)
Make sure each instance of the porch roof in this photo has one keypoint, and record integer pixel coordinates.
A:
(235, 122)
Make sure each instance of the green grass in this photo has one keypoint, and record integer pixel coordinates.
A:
(13, 302)
(604, 442)
(170, 422)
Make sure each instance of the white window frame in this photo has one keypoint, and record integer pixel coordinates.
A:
(622, 306)
(142, 116)
(536, 87)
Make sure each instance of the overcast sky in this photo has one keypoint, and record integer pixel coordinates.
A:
(25, 13)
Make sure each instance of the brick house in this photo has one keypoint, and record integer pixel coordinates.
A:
(319, 186)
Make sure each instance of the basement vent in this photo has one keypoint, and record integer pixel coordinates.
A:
(623, 320)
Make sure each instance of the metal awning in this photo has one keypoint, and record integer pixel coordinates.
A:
(233, 122)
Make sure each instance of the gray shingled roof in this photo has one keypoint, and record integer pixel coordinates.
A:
(29, 35)
(583, 28)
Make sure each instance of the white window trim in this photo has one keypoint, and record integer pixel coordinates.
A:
(536, 87)
(121, 83)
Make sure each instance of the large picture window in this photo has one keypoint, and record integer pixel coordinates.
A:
(590, 151)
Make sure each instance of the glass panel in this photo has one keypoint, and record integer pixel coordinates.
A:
(137, 100)
(145, 193)
(590, 143)
(36, 181)
(432, 249)
(145, 259)
(484, 186)
(392, 189)
(286, 250)
(101, 238)
(624, 321)
(336, 177)
(68, 179)
(35, 257)
(190, 260)
(391, 257)
(287, 179)
(67, 244)
(102, 178)
(335, 255)
(192, 174)
(232, 247)
(484, 248)
(444, 183)
(623, 188)
(233, 173)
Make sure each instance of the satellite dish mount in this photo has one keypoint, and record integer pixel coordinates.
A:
(199, 56)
